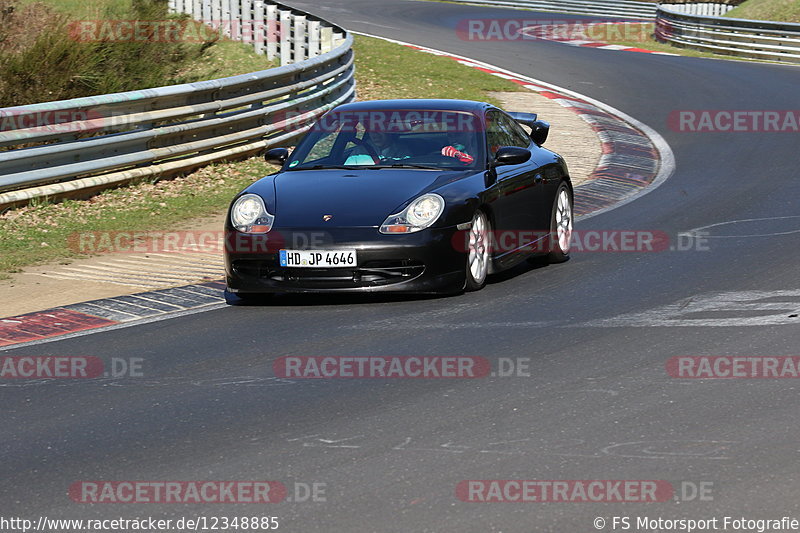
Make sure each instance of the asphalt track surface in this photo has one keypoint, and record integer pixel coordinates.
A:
(598, 403)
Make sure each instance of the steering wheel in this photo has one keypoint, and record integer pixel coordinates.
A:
(369, 148)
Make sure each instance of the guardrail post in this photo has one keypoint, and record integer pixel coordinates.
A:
(216, 13)
(235, 19)
(260, 33)
(285, 30)
(225, 17)
(272, 32)
(299, 38)
(208, 14)
(247, 34)
(313, 38)
(338, 37)
(326, 40)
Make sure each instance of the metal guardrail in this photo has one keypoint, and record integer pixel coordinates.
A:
(602, 8)
(685, 23)
(754, 39)
(158, 132)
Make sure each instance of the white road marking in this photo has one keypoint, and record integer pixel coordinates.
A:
(743, 308)
(753, 308)
(649, 449)
(378, 25)
(705, 233)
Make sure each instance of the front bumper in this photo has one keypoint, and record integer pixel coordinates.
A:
(424, 262)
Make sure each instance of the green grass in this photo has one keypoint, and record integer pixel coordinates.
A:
(777, 10)
(45, 54)
(225, 58)
(40, 234)
(83, 9)
(388, 70)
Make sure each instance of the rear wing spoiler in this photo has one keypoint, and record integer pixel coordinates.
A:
(539, 128)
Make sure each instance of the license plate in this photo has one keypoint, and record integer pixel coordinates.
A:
(318, 258)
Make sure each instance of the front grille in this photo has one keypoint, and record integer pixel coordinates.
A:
(369, 274)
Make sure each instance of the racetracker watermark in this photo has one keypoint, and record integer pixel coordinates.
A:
(68, 367)
(57, 122)
(200, 242)
(733, 367)
(387, 121)
(178, 492)
(539, 241)
(382, 367)
(514, 29)
(734, 121)
(567, 491)
(499, 241)
(176, 31)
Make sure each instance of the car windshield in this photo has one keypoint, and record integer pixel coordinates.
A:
(378, 139)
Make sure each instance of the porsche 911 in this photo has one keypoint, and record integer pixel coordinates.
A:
(401, 196)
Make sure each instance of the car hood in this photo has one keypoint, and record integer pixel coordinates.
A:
(352, 197)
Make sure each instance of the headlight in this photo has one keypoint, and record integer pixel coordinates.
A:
(249, 215)
(419, 214)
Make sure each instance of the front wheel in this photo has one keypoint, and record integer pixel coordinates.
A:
(561, 221)
(478, 252)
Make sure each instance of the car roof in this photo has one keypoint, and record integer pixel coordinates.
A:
(416, 104)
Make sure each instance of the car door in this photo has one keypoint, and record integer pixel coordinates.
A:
(552, 174)
(519, 186)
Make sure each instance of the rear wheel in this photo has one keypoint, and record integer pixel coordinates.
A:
(478, 252)
(561, 221)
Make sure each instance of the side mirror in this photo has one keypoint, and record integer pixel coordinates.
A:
(277, 156)
(511, 155)
(539, 131)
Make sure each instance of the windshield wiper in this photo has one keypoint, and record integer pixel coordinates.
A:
(365, 167)
(326, 167)
(408, 165)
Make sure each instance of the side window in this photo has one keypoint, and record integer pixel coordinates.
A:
(502, 130)
(323, 147)
(495, 134)
(523, 140)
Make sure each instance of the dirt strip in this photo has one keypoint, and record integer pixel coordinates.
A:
(570, 136)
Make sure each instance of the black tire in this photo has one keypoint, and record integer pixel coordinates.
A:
(478, 252)
(561, 217)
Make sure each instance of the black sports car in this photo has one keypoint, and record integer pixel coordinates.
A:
(427, 196)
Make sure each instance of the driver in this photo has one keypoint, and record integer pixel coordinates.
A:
(387, 145)
(384, 142)
(458, 147)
